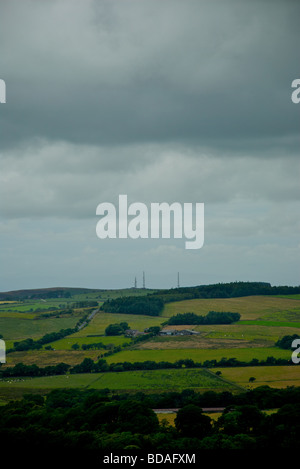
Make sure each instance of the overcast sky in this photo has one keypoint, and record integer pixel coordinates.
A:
(165, 101)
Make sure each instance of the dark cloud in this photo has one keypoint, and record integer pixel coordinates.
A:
(114, 72)
(163, 101)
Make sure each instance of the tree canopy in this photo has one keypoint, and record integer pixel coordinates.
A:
(213, 317)
(146, 305)
(116, 329)
(286, 341)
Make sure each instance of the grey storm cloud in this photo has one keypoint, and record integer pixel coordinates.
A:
(109, 72)
(171, 100)
(68, 180)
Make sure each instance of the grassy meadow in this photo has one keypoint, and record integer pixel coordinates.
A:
(15, 328)
(102, 320)
(273, 376)
(152, 380)
(67, 342)
(250, 307)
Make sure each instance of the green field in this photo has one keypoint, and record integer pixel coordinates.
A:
(270, 323)
(264, 319)
(17, 315)
(67, 342)
(158, 380)
(44, 358)
(198, 355)
(293, 297)
(15, 329)
(273, 376)
(102, 320)
(31, 306)
(250, 307)
(153, 380)
(251, 331)
(238, 335)
(46, 303)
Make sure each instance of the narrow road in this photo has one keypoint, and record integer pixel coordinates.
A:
(88, 319)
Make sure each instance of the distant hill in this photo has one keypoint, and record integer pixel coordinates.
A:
(42, 293)
(217, 290)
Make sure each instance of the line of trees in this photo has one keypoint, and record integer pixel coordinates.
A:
(22, 370)
(53, 312)
(93, 346)
(101, 366)
(212, 317)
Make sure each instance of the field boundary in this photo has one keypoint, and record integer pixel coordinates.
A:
(242, 388)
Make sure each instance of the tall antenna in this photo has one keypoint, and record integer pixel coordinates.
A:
(135, 283)
(178, 283)
(144, 283)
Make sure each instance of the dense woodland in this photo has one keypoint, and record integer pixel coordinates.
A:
(212, 317)
(225, 290)
(72, 419)
(148, 305)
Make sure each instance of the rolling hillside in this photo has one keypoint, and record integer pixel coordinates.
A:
(263, 320)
